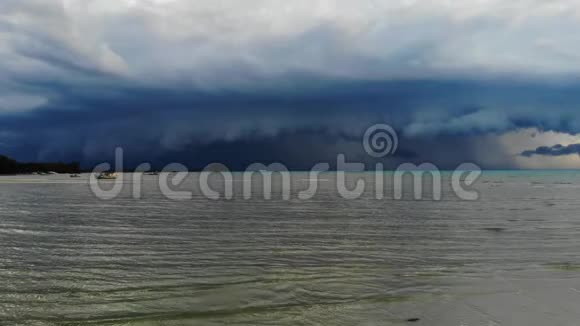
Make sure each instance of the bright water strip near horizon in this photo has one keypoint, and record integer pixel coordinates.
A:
(510, 258)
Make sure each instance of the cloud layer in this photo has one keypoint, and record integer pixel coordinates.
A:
(556, 150)
(230, 43)
(171, 78)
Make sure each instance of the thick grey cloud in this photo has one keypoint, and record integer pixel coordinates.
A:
(238, 44)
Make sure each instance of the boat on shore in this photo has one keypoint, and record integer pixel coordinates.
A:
(75, 175)
(107, 176)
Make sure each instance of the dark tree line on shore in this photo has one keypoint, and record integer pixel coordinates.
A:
(11, 166)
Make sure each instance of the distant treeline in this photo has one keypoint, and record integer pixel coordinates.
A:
(10, 166)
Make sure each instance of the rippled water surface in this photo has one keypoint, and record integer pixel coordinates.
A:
(510, 258)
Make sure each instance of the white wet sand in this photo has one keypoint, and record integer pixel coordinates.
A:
(531, 302)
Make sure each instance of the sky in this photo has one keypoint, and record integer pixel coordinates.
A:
(484, 81)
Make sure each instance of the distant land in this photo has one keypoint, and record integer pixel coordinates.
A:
(11, 166)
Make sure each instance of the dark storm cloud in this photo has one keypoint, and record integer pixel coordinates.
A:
(298, 125)
(172, 80)
(556, 150)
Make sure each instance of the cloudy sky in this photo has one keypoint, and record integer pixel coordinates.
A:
(197, 81)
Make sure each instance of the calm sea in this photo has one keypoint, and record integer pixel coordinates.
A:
(510, 258)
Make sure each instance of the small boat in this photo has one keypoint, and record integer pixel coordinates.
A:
(152, 173)
(51, 172)
(75, 175)
(107, 176)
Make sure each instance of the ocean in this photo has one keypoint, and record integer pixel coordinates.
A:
(512, 257)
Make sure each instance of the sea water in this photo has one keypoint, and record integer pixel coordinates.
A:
(512, 257)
